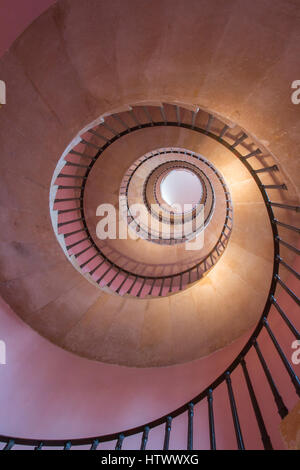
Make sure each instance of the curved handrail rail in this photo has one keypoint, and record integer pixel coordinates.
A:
(193, 215)
(225, 376)
(205, 264)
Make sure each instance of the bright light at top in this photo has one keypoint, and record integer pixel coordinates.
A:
(181, 187)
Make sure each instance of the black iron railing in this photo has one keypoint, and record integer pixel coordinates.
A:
(144, 431)
(180, 220)
(180, 279)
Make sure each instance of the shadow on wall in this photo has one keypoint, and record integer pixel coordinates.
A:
(16, 16)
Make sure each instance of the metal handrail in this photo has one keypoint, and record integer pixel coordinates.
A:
(163, 219)
(240, 360)
(218, 248)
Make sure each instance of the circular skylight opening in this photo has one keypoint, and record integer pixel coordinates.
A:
(181, 189)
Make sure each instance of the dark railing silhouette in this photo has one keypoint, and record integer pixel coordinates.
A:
(195, 212)
(240, 361)
(141, 283)
(171, 165)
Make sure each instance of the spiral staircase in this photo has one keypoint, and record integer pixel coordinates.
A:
(147, 301)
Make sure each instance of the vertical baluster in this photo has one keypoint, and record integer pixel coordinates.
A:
(113, 131)
(190, 427)
(148, 115)
(113, 278)
(95, 444)
(167, 433)
(209, 122)
(288, 245)
(68, 445)
(178, 115)
(267, 169)
(9, 445)
(289, 227)
(122, 283)
(239, 140)
(119, 442)
(285, 318)
(259, 418)
(282, 409)
(288, 267)
(252, 154)
(223, 131)
(163, 114)
(39, 446)
(212, 435)
(135, 118)
(285, 206)
(132, 285)
(145, 437)
(121, 121)
(235, 417)
(294, 378)
(152, 286)
(275, 186)
(161, 287)
(288, 290)
(194, 114)
(141, 288)
(100, 136)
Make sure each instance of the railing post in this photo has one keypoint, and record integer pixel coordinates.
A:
(260, 421)
(235, 417)
(190, 427)
(39, 446)
(194, 114)
(252, 154)
(288, 267)
(285, 206)
(223, 131)
(145, 438)
(209, 123)
(275, 186)
(163, 114)
(212, 436)
(267, 168)
(294, 378)
(287, 289)
(282, 409)
(148, 115)
(287, 245)
(95, 444)
(285, 318)
(167, 433)
(178, 115)
(9, 445)
(100, 136)
(119, 442)
(135, 118)
(239, 140)
(141, 288)
(113, 131)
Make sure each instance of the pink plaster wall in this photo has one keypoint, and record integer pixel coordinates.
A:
(15, 16)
